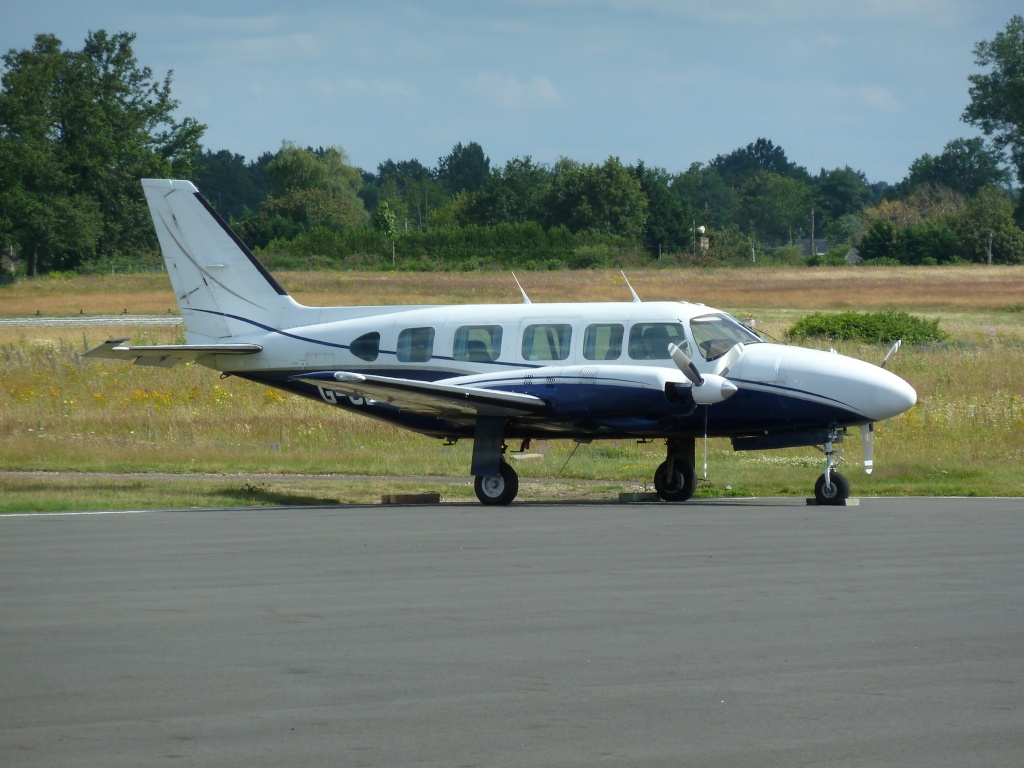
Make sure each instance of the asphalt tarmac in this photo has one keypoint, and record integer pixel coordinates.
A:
(723, 633)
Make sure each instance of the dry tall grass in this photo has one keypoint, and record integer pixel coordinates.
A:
(936, 289)
(61, 412)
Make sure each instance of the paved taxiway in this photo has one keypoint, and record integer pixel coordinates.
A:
(725, 633)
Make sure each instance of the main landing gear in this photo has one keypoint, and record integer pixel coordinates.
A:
(831, 487)
(675, 479)
(498, 491)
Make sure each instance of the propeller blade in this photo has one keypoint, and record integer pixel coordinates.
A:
(708, 389)
(725, 363)
(685, 365)
(867, 439)
(893, 351)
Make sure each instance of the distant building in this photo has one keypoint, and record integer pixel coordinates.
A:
(819, 247)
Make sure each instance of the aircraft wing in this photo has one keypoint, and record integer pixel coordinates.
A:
(167, 355)
(448, 401)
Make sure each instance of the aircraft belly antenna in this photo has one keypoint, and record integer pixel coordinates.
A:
(636, 299)
(526, 299)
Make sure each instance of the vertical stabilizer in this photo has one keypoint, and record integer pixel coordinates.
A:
(222, 289)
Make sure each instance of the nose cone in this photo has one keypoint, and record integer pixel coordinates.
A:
(889, 396)
(860, 388)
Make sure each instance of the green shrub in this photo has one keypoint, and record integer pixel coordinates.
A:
(882, 327)
(827, 260)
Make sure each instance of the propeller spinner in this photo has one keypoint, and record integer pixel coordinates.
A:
(708, 388)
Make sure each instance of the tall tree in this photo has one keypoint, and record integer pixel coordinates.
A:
(997, 96)
(840, 192)
(775, 207)
(987, 231)
(315, 188)
(411, 191)
(605, 198)
(308, 189)
(965, 165)
(514, 194)
(84, 126)
(703, 191)
(668, 219)
(464, 169)
(761, 155)
(231, 184)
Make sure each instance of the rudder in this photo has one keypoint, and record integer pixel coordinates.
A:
(221, 288)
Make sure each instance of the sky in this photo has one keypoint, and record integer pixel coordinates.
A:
(870, 84)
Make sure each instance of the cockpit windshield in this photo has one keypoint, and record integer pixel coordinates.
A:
(718, 333)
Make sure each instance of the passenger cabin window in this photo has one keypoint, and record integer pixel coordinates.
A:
(549, 341)
(477, 343)
(415, 345)
(366, 347)
(717, 334)
(649, 341)
(602, 341)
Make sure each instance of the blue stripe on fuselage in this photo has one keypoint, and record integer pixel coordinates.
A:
(595, 410)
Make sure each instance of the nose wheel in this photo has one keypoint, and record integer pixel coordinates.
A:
(831, 487)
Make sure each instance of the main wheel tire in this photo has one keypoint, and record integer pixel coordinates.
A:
(500, 490)
(835, 492)
(679, 488)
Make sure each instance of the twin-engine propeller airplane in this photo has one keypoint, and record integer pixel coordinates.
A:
(512, 372)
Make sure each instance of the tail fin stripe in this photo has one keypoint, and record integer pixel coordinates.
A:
(202, 271)
(242, 246)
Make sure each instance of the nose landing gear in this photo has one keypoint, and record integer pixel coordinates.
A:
(831, 487)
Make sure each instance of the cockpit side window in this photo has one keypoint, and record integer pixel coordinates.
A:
(649, 341)
(717, 334)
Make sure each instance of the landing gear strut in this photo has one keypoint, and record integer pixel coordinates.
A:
(831, 487)
(676, 479)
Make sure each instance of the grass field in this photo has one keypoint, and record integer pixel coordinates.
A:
(965, 437)
(970, 289)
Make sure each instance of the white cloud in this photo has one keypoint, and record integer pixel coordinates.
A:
(874, 98)
(510, 92)
(263, 49)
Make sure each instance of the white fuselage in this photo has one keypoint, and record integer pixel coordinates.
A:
(591, 358)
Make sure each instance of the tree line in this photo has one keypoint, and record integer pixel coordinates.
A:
(79, 128)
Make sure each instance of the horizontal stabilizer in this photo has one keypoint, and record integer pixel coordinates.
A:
(447, 401)
(167, 355)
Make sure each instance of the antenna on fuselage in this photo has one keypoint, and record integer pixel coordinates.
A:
(526, 299)
(636, 299)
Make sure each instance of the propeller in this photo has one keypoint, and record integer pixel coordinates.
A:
(725, 363)
(867, 439)
(867, 431)
(708, 388)
(895, 348)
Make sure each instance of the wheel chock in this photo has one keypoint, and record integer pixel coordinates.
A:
(411, 498)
